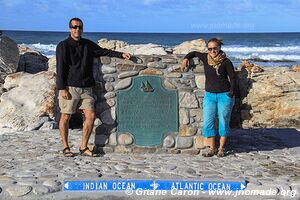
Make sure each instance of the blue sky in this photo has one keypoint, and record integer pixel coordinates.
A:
(190, 16)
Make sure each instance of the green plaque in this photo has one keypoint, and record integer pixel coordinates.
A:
(147, 110)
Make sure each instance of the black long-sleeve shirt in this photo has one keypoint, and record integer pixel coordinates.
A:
(74, 62)
(213, 82)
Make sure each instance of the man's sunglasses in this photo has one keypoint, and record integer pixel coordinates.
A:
(214, 48)
(75, 27)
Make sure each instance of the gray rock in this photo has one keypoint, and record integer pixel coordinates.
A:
(188, 100)
(105, 150)
(111, 102)
(184, 142)
(144, 49)
(109, 87)
(48, 125)
(189, 46)
(125, 139)
(105, 60)
(153, 59)
(174, 75)
(123, 84)
(189, 76)
(108, 69)
(110, 95)
(158, 65)
(200, 81)
(113, 139)
(108, 78)
(127, 74)
(33, 62)
(41, 190)
(169, 60)
(9, 56)
(18, 190)
(52, 183)
(169, 141)
(183, 116)
(169, 85)
(115, 45)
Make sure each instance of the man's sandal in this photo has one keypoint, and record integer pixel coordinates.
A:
(67, 152)
(83, 152)
(209, 153)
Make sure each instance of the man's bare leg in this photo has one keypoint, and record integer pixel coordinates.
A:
(64, 128)
(87, 129)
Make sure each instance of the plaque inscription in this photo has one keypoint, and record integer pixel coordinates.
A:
(147, 110)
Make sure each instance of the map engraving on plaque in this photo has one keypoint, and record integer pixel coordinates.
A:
(147, 111)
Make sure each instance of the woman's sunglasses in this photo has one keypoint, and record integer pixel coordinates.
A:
(214, 48)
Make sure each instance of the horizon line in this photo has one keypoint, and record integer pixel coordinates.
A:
(154, 32)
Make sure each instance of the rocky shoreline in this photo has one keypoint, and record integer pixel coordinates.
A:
(268, 99)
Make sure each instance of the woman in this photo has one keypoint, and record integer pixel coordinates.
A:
(218, 100)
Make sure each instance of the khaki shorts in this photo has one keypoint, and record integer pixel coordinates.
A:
(82, 99)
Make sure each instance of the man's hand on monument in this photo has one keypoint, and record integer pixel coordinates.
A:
(65, 94)
(126, 56)
(184, 65)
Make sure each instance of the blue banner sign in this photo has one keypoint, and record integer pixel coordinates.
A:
(122, 185)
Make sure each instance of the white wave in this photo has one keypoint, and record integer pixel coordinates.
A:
(241, 49)
(41, 47)
(270, 57)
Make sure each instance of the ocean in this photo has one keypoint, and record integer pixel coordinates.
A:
(265, 49)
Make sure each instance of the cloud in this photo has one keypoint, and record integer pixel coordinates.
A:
(11, 3)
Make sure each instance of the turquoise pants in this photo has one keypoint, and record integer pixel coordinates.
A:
(217, 104)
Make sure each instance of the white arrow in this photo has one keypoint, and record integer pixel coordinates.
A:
(154, 185)
(67, 185)
(243, 186)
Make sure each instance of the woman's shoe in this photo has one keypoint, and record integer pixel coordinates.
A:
(209, 153)
(221, 153)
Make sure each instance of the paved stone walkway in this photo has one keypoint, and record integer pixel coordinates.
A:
(33, 167)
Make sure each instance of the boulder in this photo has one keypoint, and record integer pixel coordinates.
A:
(9, 57)
(296, 68)
(29, 101)
(112, 44)
(144, 49)
(189, 46)
(52, 64)
(31, 61)
(274, 99)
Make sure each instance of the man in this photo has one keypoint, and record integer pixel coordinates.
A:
(74, 57)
